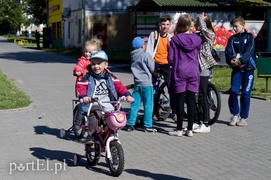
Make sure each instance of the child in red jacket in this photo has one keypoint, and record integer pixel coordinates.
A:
(102, 84)
(80, 69)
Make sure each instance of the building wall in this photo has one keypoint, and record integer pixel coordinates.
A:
(55, 22)
(107, 16)
(72, 23)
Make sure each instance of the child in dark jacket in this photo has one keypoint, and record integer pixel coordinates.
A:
(241, 58)
(100, 84)
(142, 67)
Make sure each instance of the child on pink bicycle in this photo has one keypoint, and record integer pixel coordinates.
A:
(102, 84)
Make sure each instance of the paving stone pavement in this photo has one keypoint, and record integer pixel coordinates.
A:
(30, 136)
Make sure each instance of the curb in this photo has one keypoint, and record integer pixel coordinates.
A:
(23, 109)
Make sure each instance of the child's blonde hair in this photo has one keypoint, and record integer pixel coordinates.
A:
(95, 42)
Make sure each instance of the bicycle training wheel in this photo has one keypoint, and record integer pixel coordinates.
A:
(214, 100)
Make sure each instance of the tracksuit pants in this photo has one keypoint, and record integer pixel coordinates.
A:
(243, 79)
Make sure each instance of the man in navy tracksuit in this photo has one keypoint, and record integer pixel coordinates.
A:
(241, 58)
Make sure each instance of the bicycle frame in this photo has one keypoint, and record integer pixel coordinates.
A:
(104, 137)
(159, 95)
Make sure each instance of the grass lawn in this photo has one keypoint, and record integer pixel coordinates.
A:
(11, 97)
(222, 76)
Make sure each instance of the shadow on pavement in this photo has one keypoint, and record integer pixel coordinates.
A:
(150, 175)
(47, 130)
(61, 156)
(37, 56)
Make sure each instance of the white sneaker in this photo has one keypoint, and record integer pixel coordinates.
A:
(242, 122)
(195, 126)
(176, 133)
(189, 133)
(202, 129)
(233, 120)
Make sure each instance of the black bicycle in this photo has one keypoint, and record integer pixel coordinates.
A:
(162, 108)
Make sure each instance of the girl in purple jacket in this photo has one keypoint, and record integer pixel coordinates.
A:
(184, 78)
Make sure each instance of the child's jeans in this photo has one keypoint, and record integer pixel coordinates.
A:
(142, 94)
(244, 79)
(95, 118)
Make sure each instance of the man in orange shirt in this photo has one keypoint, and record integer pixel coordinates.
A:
(157, 46)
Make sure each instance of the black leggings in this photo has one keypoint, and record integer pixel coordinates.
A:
(202, 98)
(191, 108)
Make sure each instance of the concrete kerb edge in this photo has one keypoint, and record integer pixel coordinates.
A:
(23, 109)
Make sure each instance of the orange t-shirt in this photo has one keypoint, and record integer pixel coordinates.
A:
(160, 56)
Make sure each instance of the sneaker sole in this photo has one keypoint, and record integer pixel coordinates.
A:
(230, 124)
(242, 125)
(201, 132)
(175, 135)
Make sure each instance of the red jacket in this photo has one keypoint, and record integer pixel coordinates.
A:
(81, 66)
(81, 87)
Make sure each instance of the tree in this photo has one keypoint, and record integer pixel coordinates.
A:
(37, 9)
(10, 14)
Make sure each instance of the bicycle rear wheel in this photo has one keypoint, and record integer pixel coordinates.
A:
(214, 100)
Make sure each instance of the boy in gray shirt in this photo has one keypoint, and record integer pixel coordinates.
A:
(142, 67)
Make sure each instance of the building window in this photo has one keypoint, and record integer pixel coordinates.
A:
(100, 31)
(79, 31)
(145, 25)
(69, 30)
(54, 31)
(59, 30)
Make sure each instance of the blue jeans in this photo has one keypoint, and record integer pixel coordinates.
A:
(244, 79)
(142, 94)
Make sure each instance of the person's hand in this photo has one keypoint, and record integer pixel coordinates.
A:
(85, 99)
(78, 73)
(202, 15)
(129, 99)
(234, 63)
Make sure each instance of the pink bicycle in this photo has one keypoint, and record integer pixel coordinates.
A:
(106, 142)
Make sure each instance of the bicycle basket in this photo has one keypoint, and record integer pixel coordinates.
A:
(116, 120)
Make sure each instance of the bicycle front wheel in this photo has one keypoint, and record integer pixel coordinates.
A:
(214, 100)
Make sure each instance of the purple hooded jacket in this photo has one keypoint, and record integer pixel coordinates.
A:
(183, 57)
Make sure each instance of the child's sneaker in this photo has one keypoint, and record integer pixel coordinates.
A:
(150, 130)
(89, 140)
(202, 129)
(176, 133)
(194, 127)
(129, 128)
(233, 120)
(189, 133)
(242, 122)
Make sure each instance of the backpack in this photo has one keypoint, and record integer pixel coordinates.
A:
(155, 37)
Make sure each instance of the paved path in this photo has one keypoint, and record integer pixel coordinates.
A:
(27, 140)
